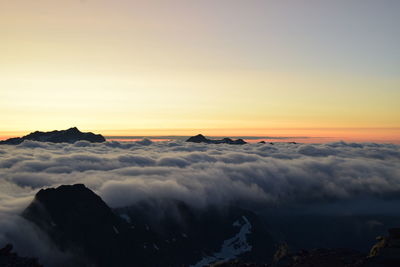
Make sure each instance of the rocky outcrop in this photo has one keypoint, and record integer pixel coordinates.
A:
(307, 258)
(339, 257)
(70, 135)
(167, 232)
(386, 252)
(11, 259)
(150, 233)
(78, 220)
(202, 139)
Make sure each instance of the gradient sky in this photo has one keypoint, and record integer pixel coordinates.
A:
(223, 67)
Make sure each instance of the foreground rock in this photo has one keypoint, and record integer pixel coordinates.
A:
(201, 139)
(238, 263)
(168, 232)
(11, 259)
(151, 233)
(340, 257)
(64, 136)
(305, 258)
(386, 253)
(79, 221)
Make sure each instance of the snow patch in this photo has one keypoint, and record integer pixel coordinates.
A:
(232, 247)
(236, 224)
(125, 217)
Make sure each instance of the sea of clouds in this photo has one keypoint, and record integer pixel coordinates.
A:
(311, 177)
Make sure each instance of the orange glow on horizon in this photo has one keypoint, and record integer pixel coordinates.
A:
(300, 135)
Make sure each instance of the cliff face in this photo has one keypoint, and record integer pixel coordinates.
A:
(64, 136)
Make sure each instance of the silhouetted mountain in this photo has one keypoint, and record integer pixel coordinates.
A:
(78, 220)
(146, 234)
(198, 139)
(201, 139)
(11, 259)
(70, 135)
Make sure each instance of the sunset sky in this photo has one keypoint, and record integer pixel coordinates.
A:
(222, 67)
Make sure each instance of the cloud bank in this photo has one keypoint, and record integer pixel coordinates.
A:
(304, 177)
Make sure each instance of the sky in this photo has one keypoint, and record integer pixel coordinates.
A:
(227, 67)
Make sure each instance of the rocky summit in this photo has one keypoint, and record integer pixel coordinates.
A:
(80, 223)
(202, 139)
(70, 135)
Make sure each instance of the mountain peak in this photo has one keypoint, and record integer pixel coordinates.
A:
(197, 139)
(65, 200)
(76, 218)
(201, 139)
(74, 130)
(70, 135)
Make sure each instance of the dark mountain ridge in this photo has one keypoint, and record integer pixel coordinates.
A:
(202, 139)
(70, 135)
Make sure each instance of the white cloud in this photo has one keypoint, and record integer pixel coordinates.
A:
(280, 175)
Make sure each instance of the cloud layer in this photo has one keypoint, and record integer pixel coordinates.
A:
(336, 175)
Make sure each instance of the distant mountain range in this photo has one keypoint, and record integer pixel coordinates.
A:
(70, 135)
(202, 139)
